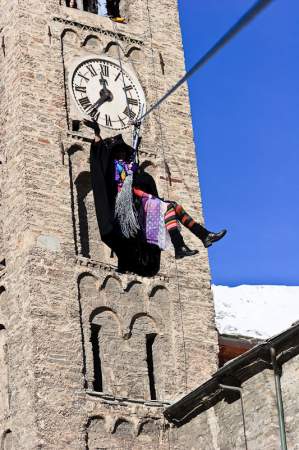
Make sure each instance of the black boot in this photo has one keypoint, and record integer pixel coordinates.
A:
(199, 231)
(207, 237)
(180, 248)
(213, 237)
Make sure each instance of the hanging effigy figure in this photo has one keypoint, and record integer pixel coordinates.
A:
(134, 254)
(134, 208)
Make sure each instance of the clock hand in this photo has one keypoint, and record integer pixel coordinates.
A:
(103, 82)
(101, 101)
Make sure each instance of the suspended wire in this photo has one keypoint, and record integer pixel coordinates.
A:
(167, 188)
(120, 63)
(136, 129)
(248, 17)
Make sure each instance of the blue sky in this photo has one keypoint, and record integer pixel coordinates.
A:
(245, 108)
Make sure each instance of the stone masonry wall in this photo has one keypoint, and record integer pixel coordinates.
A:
(51, 308)
(18, 421)
(221, 427)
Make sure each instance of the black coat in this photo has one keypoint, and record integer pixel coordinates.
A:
(134, 255)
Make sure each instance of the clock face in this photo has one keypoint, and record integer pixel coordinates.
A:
(105, 93)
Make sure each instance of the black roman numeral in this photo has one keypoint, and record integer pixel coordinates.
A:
(128, 88)
(117, 76)
(80, 88)
(129, 113)
(95, 114)
(83, 76)
(85, 103)
(91, 70)
(108, 121)
(105, 71)
(121, 121)
(132, 101)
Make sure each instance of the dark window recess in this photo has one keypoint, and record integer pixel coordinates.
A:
(83, 186)
(150, 339)
(113, 8)
(2, 263)
(97, 366)
(93, 6)
(76, 125)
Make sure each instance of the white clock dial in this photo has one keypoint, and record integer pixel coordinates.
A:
(105, 93)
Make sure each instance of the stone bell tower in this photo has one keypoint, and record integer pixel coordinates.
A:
(89, 357)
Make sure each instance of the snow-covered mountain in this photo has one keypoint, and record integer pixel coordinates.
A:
(255, 311)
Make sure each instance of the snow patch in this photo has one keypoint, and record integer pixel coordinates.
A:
(255, 311)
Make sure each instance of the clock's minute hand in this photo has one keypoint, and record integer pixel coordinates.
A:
(104, 98)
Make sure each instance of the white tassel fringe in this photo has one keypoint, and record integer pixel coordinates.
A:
(125, 211)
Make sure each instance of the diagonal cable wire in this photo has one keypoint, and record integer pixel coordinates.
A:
(120, 63)
(248, 17)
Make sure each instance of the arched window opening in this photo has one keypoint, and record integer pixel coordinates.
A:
(143, 366)
(83, 185)
(95, 433)
(123, 428)
(97, 365)
(87, 233)
(104, 356)
(7, 441)
(150, 339)
(109, 8)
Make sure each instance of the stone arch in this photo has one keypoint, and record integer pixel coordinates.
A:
(155, 288)
(111, 49)
(87, 284)
(96, 423)
(134, 54)
(106, 347)
(160, 300)
(112, 284)
(123, 427)
(101, 310)
(155, 322)
(143, 338)
(134, 296)
(6, 441)
(95, 432)
(92, 41)
(88, 236)
(132, 284)
(70, 35)
(148, 428)
(140, 315)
